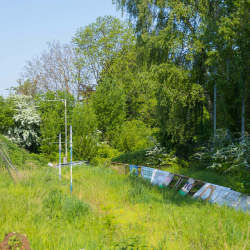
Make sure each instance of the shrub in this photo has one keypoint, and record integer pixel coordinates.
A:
(132, 136)
(229, 159)
(104, 153)
(27, 120)
(135, 158)
(158, 155)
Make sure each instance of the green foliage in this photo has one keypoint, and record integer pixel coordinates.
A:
(187, 48)
(109, 107)
(6, 114)
(132, 136)
(25, 130)
(21, 158)
(158, 156)
(50, 128)
(15, 242)
(99, 42)
(135, 158)
(104, 153)
(53, 120)
(86, 136)
(229, 159)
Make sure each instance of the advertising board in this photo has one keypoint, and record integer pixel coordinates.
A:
(211, 192)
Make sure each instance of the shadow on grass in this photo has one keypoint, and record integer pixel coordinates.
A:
(144, 192)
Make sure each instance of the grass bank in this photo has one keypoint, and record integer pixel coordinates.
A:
(111, 211)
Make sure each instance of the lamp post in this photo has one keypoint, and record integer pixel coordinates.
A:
(65, 103)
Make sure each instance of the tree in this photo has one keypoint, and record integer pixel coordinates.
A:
(53, 119)
(86, 135)
(25, 130)
(206, 39)
(140, 97)
(109, 107)
(26, 87)
(167, 39)
(99, 42)
(6, 114)
(57, 69)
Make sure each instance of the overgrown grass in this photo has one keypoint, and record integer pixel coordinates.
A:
(111, 211)
(21, 157)
(210, 176)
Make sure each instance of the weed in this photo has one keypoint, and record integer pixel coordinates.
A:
(15, 242)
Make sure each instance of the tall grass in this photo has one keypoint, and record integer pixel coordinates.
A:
(111, 211)
(232, 182)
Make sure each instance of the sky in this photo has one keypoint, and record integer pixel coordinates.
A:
(27, 25)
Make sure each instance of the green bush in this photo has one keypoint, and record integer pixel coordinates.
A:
(104, 153)
(132, 136)
(135, 158)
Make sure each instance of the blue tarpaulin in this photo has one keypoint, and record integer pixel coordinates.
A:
(135, 168)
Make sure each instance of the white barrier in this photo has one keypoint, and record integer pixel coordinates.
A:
(211, 192)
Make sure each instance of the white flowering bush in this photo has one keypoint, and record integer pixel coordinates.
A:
(158, 155)
(27, 120)
(232, 159)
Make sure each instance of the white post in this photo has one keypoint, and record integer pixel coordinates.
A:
(71, 188)
(60, 150)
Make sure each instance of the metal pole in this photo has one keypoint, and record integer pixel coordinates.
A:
(60, 150)
(243, 112)
(228, 61)
(65, 102)
(71, 187)
(215, 94)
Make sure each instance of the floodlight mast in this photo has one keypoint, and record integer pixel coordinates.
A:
(65, 103)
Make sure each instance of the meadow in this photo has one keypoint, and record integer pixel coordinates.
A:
(111, 211)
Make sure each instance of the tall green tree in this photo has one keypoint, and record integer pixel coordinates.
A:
(86, 136)
(99, 42)
(109, 107)
(167, 39)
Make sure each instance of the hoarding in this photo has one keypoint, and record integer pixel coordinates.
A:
(147, 173)
(211, 192)
(188, 186)
(167, 180)
(158, 177)
(236, 200)
(133, 168)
